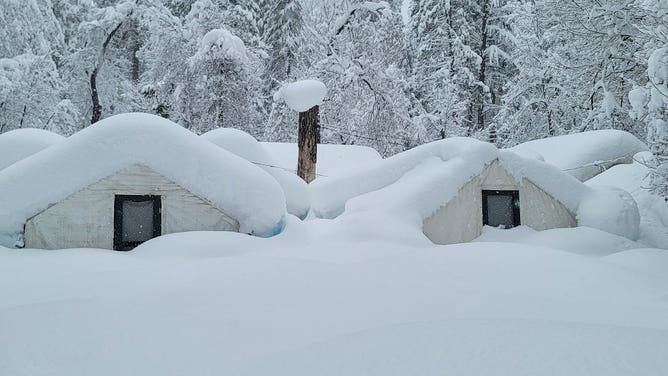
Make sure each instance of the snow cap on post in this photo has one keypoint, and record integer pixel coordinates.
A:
(303, 95)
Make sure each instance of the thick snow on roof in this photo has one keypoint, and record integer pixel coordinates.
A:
(301, 95)
(414, 184)
(585, 154)
(21, 143)
(242, 190)
(329, 196)
(333, 159)
(247, 147)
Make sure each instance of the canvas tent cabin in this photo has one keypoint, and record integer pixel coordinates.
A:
(24, 142)
(127, 179)
(588, 153)
(246, 146)
(451, 188)
(496, 198)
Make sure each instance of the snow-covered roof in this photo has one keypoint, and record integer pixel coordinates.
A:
(415, 183)
(333, 159)
(21, 143)
(242, 190)
(247, 147)
(584, 155)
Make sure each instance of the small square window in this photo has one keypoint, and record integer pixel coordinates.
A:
(136, 220)
(501, 208)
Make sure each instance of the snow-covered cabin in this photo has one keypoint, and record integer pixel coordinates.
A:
(454, 187)
(24, 142)
(127, 179)
(586, 154)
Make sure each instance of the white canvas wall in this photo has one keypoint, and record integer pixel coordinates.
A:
(460, 220)
(86, 218)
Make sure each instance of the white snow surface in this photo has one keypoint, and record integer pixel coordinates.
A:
(321, 299)
(246, 146)
(584, 155)
(635, 179)
(241, 189)
(21, 143)
(329, 196)
(333, 160)
(301, 96)
(613, 210)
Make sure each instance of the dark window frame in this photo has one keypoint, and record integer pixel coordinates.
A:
(119, 244)
(515, 194)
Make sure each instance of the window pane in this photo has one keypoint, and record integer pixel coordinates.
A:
(500, 210)
(137, 221)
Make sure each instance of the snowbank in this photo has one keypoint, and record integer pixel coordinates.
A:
(301, 96)
(613, 210)
(635, 179)
(579, 240)
(643, 260)
(585, 154)
(247, 147)
(333, 160)
(282, 306)
(242, 190)
(21, 143)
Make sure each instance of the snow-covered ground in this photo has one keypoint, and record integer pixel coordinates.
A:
(365, 293)
(313, 301)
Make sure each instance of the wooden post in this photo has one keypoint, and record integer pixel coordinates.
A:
(308, 138)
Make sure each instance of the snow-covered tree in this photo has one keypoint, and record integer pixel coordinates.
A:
(649, 102)
(30, 90)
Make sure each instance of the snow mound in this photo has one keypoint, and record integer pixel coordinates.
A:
(21, 143)
(643, 260)
(585, 154)
(333, 160)
(612, 210)
(246, 146)
(242, 190)
(221, 42)
(301, 96)
(579, 240)
(635, 179)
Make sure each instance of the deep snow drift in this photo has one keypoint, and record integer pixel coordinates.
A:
(315, 301)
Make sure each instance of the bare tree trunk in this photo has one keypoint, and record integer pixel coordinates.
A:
(94, 96)
(309, 136)
(483, 65)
